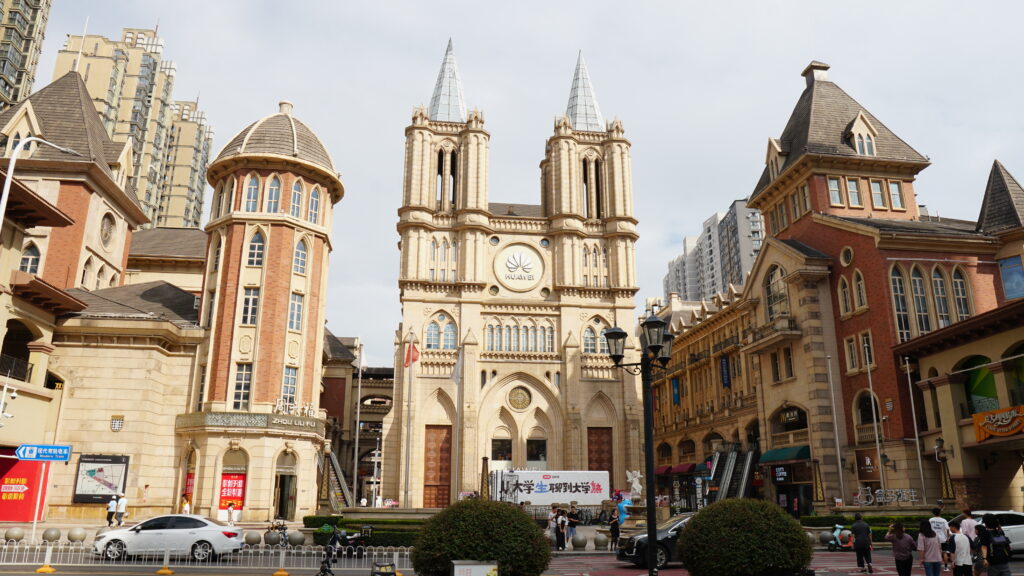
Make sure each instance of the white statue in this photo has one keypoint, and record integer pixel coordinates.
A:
(635, 487)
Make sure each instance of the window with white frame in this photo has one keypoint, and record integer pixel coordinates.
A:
(851, 354)
(250, 306)
(257, 247)
(274, 196)
(289, 384)
(589, 341)
(30, 259)
(314, 206)
(295, 311)
(835, 191)
(942, 314)
(296, 205)
(961, 298)
(299, 258)
(243, 386)
(918, 290)
(252, 195)
(900, 306)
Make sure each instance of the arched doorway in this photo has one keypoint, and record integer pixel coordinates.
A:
(233, 479)
(285, 486)
(14, 360)
(188, 492)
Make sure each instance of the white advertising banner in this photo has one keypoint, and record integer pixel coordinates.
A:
(552, 487)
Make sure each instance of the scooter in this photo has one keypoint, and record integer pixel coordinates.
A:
(343, 544)
(842, 539)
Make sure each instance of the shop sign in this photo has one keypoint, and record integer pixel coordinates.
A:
(232, 491)
(1002, 422)
(99, 477)
(19, 485)
(867, 467)
(791, 415)
(865, 497)
(781, 474)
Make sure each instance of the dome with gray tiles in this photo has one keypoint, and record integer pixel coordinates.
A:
(280, 134)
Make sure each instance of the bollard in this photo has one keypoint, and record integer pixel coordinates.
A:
(46, 568)
(166, 570)
(280, 570)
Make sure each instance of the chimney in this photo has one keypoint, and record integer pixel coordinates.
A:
(285, 107)
(815, 71)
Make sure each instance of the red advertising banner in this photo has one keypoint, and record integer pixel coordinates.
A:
(190, 485)
(19, 486)
(232, 491)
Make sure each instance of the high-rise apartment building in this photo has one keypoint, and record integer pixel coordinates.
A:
(720, 256)
(132, 86)
(24, 26)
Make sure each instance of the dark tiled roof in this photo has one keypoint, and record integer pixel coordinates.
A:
(1003, 206)
(283, 135)
(68, 117)
(188, 243)
(926, 226)
(149, 301)
(524, 210)
(336, 349)
(379, 373)
(819, 125)
(805, 249)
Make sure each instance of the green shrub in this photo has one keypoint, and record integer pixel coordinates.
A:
(743, 537)
(318, 521)
(481, 530)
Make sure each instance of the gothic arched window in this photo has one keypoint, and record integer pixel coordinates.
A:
(30, 259)
(433, 336)
(589, 341)
(274, 195)
(257, 246)
(299, 259)
(296, 205)
(449, 337)
(252, 195)
(314, 206)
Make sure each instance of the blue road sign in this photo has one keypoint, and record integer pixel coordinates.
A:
(43, 452)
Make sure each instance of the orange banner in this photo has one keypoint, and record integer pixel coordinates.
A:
(1002, 422)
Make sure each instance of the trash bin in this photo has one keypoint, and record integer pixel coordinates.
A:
(382, 569)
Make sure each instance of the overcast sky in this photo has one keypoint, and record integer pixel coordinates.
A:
(700, 87)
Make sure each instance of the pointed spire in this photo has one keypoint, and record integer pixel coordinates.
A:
(583, 112)
(1003, 206)
(447, 104)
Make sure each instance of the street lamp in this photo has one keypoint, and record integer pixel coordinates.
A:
(656, 352)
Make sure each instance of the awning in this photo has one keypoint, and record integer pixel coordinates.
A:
(662, 470)
(682, 468)
(788, 454)
(701, 468)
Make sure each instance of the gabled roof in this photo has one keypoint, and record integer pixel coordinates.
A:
(335, 348)
(1003, 206)
(804, 249)
(158, 300)
(499, 209)
(68, 118)
(583, 112)
(447, 103)
(819, 123)
(176, 243)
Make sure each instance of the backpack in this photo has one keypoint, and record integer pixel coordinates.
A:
(999, 549)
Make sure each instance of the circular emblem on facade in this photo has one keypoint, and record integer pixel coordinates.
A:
(245, 344)
(519, 267)
(519, 398)
(107, 226)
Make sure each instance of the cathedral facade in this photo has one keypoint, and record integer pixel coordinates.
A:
(501, 352)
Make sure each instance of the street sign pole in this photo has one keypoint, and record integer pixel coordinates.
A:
(43, 479)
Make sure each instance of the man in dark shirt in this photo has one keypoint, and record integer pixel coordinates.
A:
(995, 547)
(862, 543)
(574, 520)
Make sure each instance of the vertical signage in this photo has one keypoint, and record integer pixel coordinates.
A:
(675, 391)
(20, 483)
(232, 491)
(723, 363)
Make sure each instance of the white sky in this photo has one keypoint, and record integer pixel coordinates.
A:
(700, 87)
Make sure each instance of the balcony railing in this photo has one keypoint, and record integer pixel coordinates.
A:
(15, 368)
(694, 358)
(866, 434)
(724, 344)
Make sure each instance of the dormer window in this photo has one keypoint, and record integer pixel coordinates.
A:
(862, 135)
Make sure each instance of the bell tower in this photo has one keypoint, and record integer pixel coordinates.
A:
(445, 187)
(586, 189)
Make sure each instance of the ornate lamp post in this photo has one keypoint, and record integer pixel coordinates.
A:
(656, 351)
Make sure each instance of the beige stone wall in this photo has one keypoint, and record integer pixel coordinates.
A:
(186, 275)
(125, 369)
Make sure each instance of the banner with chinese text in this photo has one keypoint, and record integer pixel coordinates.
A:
(1002, 422)
(19, 485)
(232, 491)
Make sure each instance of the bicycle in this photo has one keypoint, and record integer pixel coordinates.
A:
(281, 528)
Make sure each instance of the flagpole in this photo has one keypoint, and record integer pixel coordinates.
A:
(408, 417)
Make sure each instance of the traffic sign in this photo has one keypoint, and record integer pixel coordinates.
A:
(43, 452)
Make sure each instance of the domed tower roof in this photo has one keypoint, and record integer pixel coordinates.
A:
(280, 136)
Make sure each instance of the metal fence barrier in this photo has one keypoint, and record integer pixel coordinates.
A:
(260, 556)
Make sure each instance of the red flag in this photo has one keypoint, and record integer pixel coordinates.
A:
(411, 355)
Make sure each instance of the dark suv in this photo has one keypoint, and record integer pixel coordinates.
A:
(632, 547)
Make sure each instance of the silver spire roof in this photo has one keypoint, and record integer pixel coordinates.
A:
(583, 111)
(447, 104)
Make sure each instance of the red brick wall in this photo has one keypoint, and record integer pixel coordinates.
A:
(332, 399)
(64, 251)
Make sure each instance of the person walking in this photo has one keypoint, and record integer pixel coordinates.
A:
(903, 546)
(231, 514)
(111, 510)
(122, 509)
(960, 545)
(968, 526)
(862, 543)
(574, 520)
(186, 506)
(941, 529)
(613, 528)
(995, 547)
(930, 547)
(552, 520)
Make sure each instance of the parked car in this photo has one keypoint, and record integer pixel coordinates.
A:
(632, 547)
(1012, 523)
(180, 534)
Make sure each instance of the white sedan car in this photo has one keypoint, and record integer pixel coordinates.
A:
(180, 534)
